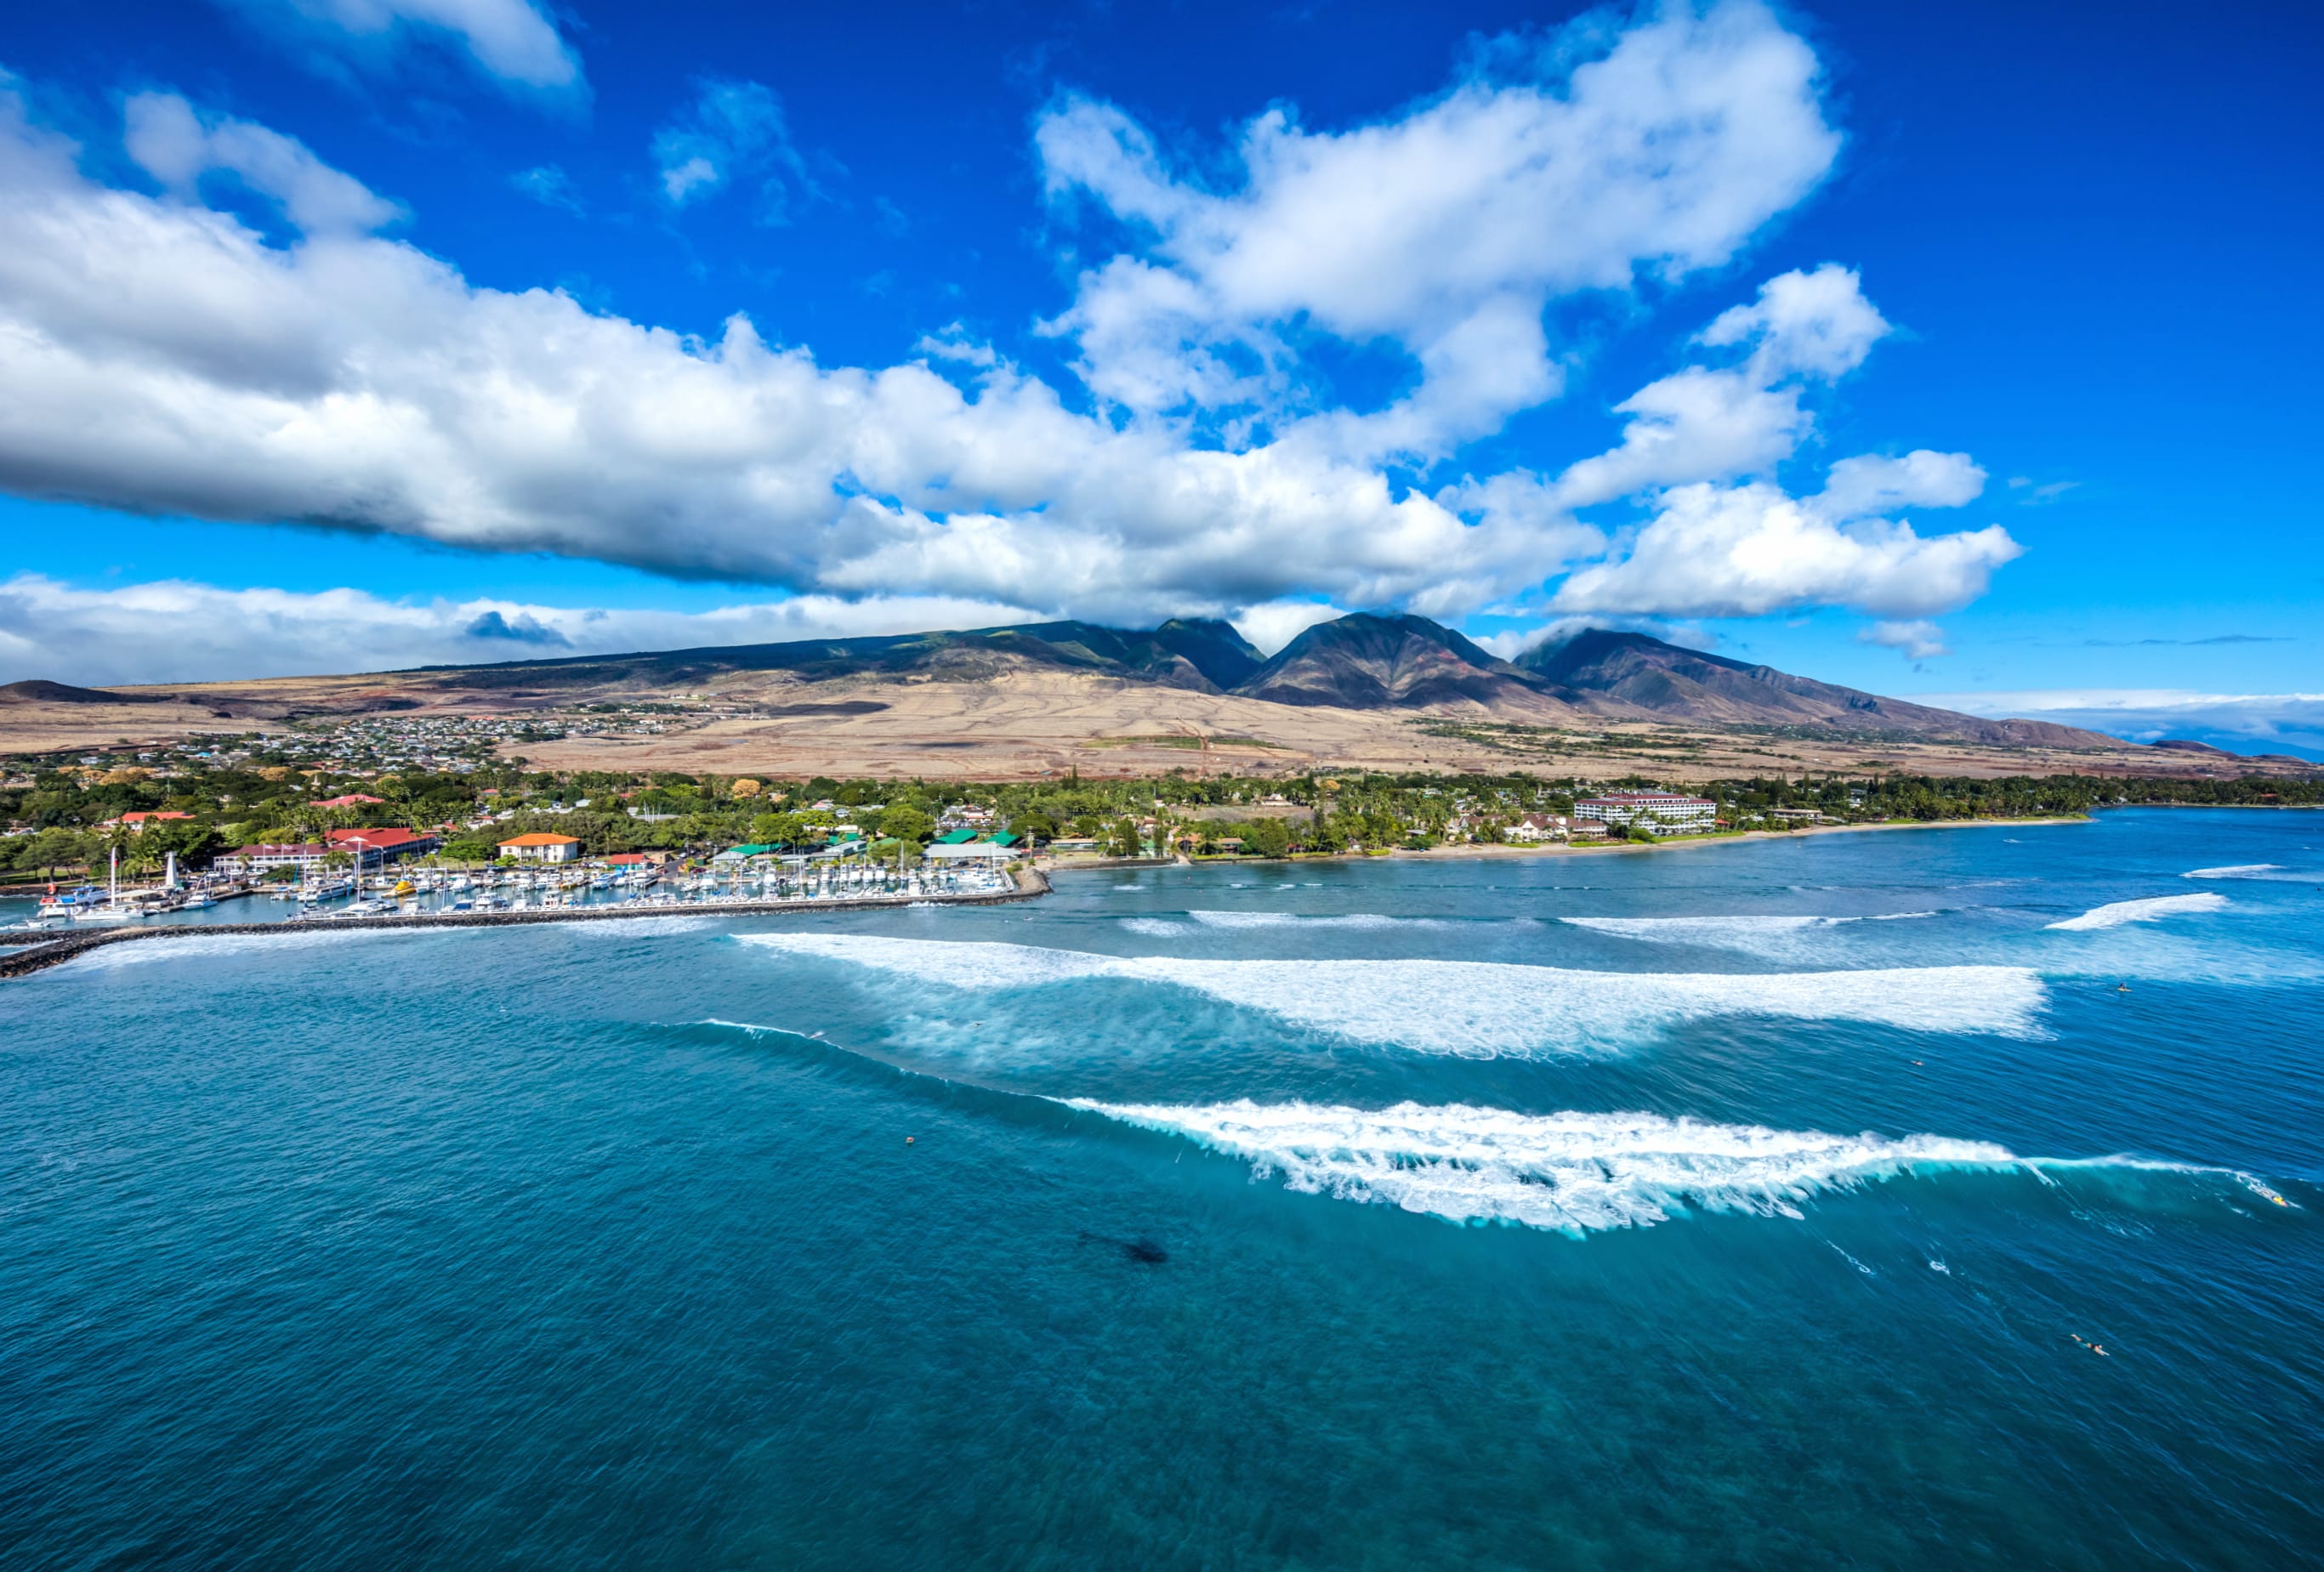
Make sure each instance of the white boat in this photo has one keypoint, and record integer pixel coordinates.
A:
(62, 906)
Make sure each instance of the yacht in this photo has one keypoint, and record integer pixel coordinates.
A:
(63, 906)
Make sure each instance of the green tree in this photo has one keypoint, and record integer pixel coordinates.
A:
(906, 824)
(194, 841)
(775, 829)
(1268, 838)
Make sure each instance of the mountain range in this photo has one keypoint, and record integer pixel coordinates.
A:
(1362, 661)
(1025, 697)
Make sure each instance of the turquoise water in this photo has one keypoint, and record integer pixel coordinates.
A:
(603, 1246)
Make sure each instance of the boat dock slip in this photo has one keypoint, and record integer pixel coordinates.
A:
(36, 953)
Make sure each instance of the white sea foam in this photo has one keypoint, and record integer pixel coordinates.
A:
(2115, 914)
(1689, 930)
(1757, 935)
(1153, 927)
(631, 927)
(1479, 1008)
(2265, 872)
(200, 946)
(1215, 919)
(1573, 1172)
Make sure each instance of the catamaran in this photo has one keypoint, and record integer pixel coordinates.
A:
(61, 907)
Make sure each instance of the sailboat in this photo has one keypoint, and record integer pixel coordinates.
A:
(110, 910)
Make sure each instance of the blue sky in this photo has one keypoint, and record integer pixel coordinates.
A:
(367, 331)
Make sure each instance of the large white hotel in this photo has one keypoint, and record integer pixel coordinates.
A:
(1664, 812)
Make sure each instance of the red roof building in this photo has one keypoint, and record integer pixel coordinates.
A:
(383, 845)
(136, 821)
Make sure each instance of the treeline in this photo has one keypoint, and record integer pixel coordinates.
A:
(63, 818)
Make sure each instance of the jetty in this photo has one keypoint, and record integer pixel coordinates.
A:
(35, 952)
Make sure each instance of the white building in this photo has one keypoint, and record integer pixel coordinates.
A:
(1538, 827)
(1661, 813)
(305, 856)
(541, 847)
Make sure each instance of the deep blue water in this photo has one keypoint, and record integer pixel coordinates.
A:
(603, 1246)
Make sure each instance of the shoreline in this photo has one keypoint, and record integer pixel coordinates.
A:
(40, 954)
(28, 955)
(1696, 842)
(1566, 848)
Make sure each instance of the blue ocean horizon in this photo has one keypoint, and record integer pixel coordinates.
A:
(1901, 1199)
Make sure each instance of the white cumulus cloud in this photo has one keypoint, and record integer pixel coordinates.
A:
(1871, 483)
(1272, 626)
(1744, 551)
(162, 356)
(1704, 424)
(1444, 230)
(177, 146)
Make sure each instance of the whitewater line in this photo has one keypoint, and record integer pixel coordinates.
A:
(2154, 908)
(1573, 1173)
(1469, 1008)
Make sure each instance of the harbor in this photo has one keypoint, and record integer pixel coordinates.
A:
(38, 947)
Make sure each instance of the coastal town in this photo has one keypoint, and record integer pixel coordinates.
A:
(442, 816)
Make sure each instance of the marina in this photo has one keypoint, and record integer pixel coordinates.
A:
(502, 898)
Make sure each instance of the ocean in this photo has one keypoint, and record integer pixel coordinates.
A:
(1930, 1198)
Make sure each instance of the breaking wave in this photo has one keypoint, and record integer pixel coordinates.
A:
(2115, 914)
(1573, 1172)
(1477, 1009)
(1576, 1173)
(199, 946)
(1757, 935)
(629, 927)
(1296, 920)
(2272, 872)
